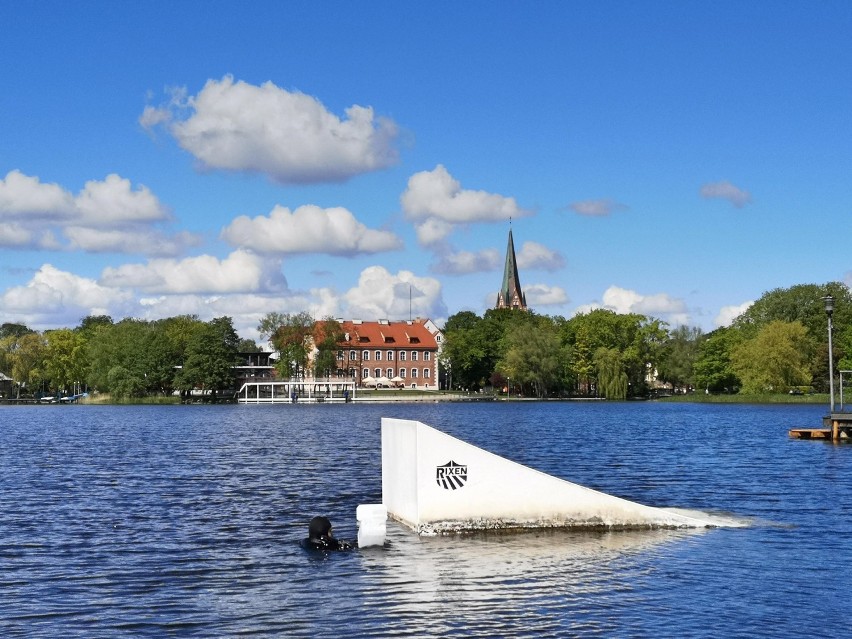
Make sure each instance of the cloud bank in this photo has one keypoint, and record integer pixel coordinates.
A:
(105, 216)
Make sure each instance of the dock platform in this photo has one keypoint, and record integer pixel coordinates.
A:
(837, 426)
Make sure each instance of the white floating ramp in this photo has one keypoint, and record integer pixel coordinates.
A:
(436, 483)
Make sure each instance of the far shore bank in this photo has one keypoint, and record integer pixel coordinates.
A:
(377, 397)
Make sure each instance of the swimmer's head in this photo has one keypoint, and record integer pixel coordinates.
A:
(319, 527)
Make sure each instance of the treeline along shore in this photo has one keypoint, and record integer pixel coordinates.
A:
(777, 347)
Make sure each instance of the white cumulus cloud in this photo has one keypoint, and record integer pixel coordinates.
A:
(289, 136)
(435, 201)
(545, 295)
(537, 256)
(308, 229)
(106, 216)
(727, 314)
(623, 300)
(463, 262)
(27, 196)
(381, 294)
(114, 202)
(242, 271)
(58, 298)
(724, 190)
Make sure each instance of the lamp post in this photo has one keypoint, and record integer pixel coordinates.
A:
(829, 309)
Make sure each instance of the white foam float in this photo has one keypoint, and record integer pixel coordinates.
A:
(372, 524)
(436, 483)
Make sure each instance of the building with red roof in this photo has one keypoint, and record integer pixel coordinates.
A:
(390, 353)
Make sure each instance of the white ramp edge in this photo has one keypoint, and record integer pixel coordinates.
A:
(435, 483)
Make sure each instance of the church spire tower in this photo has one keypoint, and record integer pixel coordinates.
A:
(511, 295)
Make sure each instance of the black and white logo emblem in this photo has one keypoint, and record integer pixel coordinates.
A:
(451, 475)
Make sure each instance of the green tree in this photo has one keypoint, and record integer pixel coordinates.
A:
(290, 340)
(534, 359)
(612, 378)
(636, 338)
(465, 353)
(66, 361)
(25, 356)
(712, 369)
(327, 335)
(777, 358)
(123, 383)
(209, 359)
(10, 329)
(678, 355)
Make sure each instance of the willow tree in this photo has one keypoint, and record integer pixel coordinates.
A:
(777, 358)
(612, 378)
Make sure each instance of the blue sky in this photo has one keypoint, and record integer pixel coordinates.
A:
(362, 160)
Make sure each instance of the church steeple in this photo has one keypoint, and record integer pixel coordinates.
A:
(511, 295)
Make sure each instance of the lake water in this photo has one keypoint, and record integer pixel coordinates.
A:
(185, 521)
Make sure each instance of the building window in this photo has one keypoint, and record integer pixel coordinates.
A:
(413, 372)
(426, 372)
(427, 356)
(438, 338)
(352, 355)
(378, 372)
(352, 373)
(402, 356)
(340, 356)
(378, 356)
(413, 356)
(390, 356)
(365, 373)
(366, 356)
(402, 373)
(390, 373)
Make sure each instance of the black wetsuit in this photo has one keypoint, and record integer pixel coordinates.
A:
(320, 538)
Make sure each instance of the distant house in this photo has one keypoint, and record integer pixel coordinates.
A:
(6, 383)
(392, 353)
(254, 367)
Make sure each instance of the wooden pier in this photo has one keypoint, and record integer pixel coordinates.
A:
(837, 427)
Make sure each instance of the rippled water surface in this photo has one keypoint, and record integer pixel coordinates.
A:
(185, 521)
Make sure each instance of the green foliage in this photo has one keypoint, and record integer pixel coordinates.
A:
(712, 368)
(123, 383)
(289, 334)
(775, 360)
(637, 338)
(678, 355)
(612, 378)
(210, 355)
(533, 358)
(65, 360)
(9, 329)
(24, 356)
(326, 335)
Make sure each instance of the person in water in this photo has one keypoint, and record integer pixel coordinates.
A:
(321, 537)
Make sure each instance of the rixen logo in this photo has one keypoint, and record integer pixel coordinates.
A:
(451, 476)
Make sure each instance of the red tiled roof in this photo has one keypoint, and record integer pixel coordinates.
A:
(389, 334)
